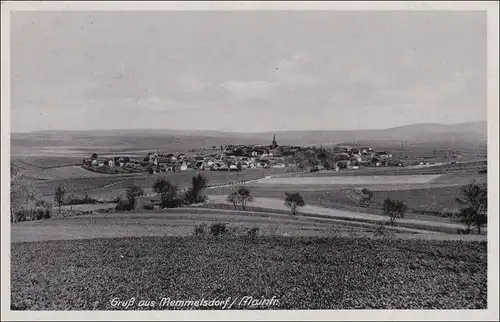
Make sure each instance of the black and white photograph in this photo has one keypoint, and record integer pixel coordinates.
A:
(249, 158)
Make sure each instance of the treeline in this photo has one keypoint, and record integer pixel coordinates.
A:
(170, 196)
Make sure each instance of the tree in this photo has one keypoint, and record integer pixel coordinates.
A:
(305, 159)
(167, 192)
(475, 206)
(368, 195)
(196, 193)
(294, 200)
(329, 164)
(244, 196)
(394, 209)
(233, 198)
(133, 193)
(94, 156)
(59, 196)
(20, 191)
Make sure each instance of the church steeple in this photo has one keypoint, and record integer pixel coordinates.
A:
(274, 144)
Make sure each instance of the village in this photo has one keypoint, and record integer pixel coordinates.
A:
(241, 157)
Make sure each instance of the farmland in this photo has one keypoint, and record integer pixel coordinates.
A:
(334, 254)
(303, 273)
(430, 193)
(108, 186)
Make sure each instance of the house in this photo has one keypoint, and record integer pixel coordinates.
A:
(384, 155)
(209, 162)
(317, 167)
(200, 165)
(262, 164)
(170, 156)
(102, 161)
(162, 160)
(356, 157)
(342, 156)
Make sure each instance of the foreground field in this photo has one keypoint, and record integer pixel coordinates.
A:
(302, 273)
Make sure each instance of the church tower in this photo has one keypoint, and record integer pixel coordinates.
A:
(274, 145)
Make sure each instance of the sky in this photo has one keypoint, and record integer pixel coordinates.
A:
(246, 71)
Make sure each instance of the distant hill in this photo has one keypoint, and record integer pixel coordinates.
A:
(464, 134)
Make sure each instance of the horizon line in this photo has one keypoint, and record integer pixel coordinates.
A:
(245, 132)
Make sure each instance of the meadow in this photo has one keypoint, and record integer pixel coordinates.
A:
(101, 186)
(302, 273)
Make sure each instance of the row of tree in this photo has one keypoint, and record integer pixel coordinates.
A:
(168, 192)
(472, 213)
(473, 202)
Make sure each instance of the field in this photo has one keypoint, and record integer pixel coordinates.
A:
(102, 186)
(334, 254)
(430, 194)
(312, 273)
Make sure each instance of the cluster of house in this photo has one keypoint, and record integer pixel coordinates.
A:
(239, 157)
(230, 158)
(349, 157)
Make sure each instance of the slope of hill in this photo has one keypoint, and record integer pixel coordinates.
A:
(465, 134)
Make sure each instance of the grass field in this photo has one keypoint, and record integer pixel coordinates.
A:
(44, 162)
(107, 186)
(310, 273)
(430, 200)
(436, 196)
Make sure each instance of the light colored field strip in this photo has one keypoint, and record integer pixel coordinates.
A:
(352, 180)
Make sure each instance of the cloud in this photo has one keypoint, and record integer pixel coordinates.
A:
(152, 103)
(244, 90)
(190, 83)
(292, 71)
(287, 75)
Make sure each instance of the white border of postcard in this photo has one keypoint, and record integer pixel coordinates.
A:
(490, 7)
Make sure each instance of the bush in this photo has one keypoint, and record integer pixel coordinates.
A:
(38, 213)
(20, 216)
(218, 229)
(380, 230)
(200, 230)
(465, 231)
(123, 205)
(252, 232)
(43, 203)
(86, 200)
(148, 207)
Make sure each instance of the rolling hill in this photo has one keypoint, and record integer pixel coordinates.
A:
(472, 134)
